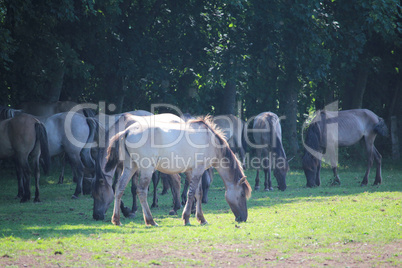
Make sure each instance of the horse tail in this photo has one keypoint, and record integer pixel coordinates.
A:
(85, 153)
(41, 137)
(381, 127)
(323, 130)
(115, 150)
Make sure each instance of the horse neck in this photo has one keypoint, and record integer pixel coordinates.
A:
(228, 168)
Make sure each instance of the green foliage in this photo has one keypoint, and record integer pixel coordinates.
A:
(143, 52)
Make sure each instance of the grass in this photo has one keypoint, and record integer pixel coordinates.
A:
(313, 226)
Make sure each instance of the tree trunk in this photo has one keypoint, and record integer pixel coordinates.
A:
(229, 99)
(56, 84)
(289, 109)
(353, 99)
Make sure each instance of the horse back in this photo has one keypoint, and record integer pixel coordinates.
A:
(268, 129)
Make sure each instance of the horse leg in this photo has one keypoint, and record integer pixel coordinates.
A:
(378, 157)
(174, 183)
(198, 213)
(190, 199)
(336, 181)
(63, 164)
(370, 154)
(26, 181)
(257, 177)
(142, 192)
(78, 172)
(317, 178)
(155, 181)
(166, 185)
(37, 177)
(20, 180)
(134, 207)
(185, 189)
(268, 182)
(267, 172)
(118, 193)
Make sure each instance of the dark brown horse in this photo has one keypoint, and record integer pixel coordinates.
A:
(23, 137)
(267, 134)
(330, 130)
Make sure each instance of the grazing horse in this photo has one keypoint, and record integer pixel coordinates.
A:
(173, 148)
(23, 136)
(330, 130)
(235, 131)
(267, 135)
(103, 185)
(43, 110)
(72, 134)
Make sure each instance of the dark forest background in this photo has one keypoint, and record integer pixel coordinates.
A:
(242, 57)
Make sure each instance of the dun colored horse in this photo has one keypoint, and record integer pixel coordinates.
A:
(173, 148)
(24, 137)
(330, 130)
(103, 185)
(267, 134)
(72, 134)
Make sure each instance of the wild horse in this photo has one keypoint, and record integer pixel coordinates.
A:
(24, 137)
(174, 148)
(267, 135)
(330, 130)
(73, 134)
(103, 185)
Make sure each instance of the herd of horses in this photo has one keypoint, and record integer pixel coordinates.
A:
(107, 151)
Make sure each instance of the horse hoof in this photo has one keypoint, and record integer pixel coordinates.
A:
(187, 224)
(204, 223)
(74, 196)
(117, 223)
(154, 206)
(37, 200)
(256, 188)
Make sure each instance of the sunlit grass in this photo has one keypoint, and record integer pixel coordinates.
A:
(299, 220)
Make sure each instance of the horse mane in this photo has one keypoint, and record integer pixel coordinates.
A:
(225, 151)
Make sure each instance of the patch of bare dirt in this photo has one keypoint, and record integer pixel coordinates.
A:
(340, 255)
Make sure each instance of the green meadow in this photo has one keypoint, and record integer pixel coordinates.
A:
(346, 225)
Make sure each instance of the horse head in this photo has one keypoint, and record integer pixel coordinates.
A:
(236, 196)
(102, 193)
(280, 170)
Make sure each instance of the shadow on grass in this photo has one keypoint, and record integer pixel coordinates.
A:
(60, 216)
